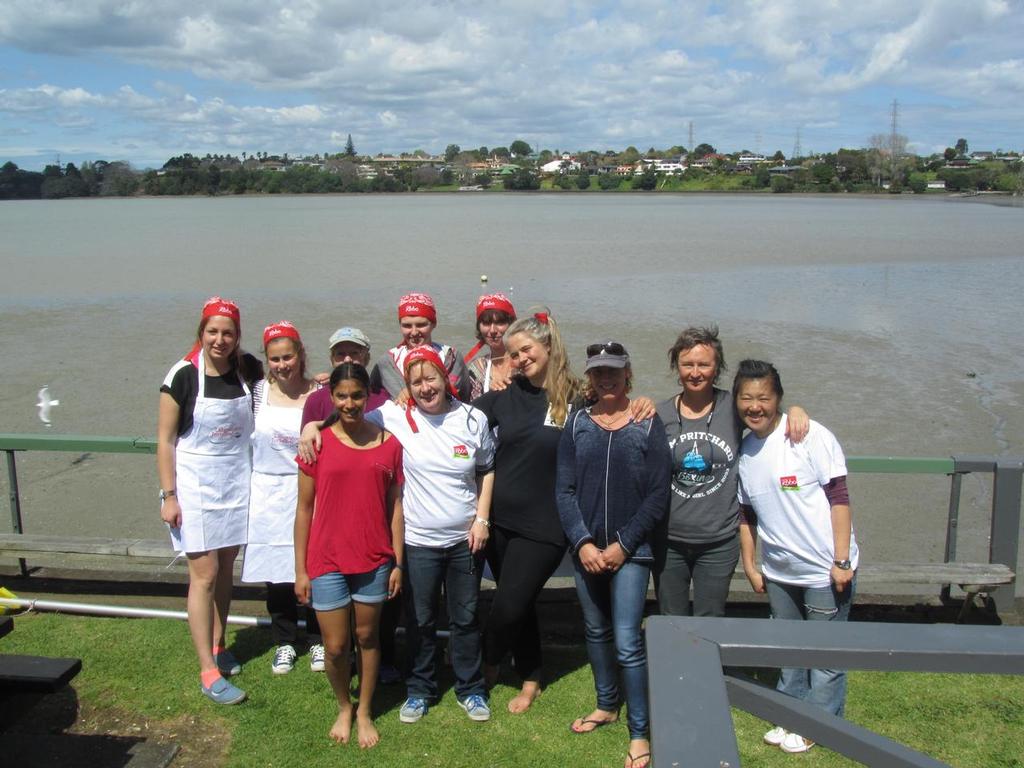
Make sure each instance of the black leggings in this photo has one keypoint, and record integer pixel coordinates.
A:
(521, 566)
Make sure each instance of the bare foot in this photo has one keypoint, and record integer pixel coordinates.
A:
(639, 755)
(342, 728)
(368, 736)
(594, 720)
(522, 700)
(491, 675)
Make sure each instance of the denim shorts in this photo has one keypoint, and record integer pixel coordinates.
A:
(337, 590)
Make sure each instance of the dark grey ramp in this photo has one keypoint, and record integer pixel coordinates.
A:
(691, 723)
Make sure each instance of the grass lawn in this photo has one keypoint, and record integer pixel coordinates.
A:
(139, 678)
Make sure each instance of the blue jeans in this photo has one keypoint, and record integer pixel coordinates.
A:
(425, 570)
(824, 687)
(613, 607)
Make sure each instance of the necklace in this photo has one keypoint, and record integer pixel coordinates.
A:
(608, 421)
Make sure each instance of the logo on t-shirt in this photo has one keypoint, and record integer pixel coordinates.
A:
(789, 483)
(460, 452)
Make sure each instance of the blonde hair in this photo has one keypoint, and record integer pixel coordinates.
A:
(560, 383)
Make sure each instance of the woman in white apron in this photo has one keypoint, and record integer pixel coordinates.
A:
(203, 459)
(270, 551)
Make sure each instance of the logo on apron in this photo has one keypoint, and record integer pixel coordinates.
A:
(225, 433)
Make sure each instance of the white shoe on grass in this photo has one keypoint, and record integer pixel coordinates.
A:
(794, 743)
(316, 658)
(775, 736)
(284, 660)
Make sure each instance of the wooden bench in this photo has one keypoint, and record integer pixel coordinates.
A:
(143, 551)
(37, 673)
(34, 673)
(972, 578)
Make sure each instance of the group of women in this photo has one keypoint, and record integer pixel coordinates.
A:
(414, 496)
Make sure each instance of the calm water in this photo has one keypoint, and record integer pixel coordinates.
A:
(895, 322)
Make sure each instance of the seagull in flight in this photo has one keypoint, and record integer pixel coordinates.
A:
(44, 404)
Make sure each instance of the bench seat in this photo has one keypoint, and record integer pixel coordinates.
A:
(36, 673)
(971, 577)
(139, 550)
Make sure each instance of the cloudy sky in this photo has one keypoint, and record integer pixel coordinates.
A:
(142, 80)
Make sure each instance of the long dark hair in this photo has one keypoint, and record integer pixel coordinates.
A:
(346, 372)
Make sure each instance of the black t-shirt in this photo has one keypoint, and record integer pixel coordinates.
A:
(525, 462)
(182, 384)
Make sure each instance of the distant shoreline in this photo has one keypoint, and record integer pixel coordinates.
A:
(1007, 199)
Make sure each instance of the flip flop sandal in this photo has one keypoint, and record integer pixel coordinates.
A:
(590, 721)
(633, 760)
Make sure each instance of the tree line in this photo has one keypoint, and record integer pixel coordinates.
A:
(846, 170)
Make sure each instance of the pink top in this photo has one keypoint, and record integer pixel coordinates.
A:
(351, 532)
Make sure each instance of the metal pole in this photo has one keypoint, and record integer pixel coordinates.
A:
(131, 612)
(12, 482)
(1006, 499)
(952, 523)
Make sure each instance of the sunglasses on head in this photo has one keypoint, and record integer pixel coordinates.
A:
(611, 348)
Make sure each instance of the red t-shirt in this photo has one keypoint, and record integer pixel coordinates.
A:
(351, 532)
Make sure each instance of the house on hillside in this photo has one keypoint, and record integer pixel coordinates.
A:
(564, 164)
(708, 161)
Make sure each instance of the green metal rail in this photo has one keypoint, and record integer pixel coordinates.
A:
(76, 443)
(1007, 471)
(104, 444)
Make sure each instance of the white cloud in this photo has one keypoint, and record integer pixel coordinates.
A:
(302, 74)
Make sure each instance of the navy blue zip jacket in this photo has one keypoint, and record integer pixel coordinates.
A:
(612, 485)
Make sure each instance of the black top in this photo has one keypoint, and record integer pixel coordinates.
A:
(182, 384)
(525, 462)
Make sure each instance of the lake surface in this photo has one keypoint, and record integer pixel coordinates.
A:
(894, 321)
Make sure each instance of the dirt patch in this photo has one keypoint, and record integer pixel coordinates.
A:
(202, 742)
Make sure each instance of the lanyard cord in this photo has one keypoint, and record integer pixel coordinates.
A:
(707, 426)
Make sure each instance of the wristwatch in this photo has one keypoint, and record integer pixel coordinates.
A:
(486, 523)
(165, 494)
(843, 565)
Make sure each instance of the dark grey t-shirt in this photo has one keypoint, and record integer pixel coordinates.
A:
(702, 505)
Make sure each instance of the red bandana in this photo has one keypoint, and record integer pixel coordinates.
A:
(281, 330)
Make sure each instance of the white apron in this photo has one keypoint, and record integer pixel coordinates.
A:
(212, 466)
(270, 550)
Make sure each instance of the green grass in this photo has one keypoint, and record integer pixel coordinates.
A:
(147, 667)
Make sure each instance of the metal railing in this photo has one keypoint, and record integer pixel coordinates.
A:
(1005, 521)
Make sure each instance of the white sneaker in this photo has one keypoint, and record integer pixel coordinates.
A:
(284, 660)
(775, 736)
(316, 658)
(794, 743)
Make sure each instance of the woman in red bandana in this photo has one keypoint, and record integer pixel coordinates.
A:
(269, 552)
(203, 431)
(448, 459)
(417, 318)
(487, 362)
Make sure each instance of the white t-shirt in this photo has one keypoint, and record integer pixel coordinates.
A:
(784, 482)
(441, 462)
